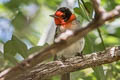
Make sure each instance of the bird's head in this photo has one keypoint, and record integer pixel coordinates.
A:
(63, 16)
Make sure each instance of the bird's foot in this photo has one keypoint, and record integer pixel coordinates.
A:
(63, 58)
(80, 54)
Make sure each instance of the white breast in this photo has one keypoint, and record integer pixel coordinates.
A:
(76, 47)
(72, 50)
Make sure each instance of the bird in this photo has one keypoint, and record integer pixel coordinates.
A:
(66, 21)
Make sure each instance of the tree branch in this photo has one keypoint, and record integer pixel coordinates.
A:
(98, 9)
(46, 53)
(46, 70)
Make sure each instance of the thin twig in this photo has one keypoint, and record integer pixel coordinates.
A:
(98, 9)
(98, 29)
(99, 32)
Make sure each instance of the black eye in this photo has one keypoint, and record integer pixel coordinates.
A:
(63, 16)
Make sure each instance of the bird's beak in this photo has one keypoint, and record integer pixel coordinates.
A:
(53, 16)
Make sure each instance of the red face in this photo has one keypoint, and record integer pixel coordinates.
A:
(59, 18)
(64, 17)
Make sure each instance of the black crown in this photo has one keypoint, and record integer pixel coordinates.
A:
(67, 13)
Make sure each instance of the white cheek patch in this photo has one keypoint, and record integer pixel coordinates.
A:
(64, 35)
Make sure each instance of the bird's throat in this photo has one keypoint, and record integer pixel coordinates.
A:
(68, 24)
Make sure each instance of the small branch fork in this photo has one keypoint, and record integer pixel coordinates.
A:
(27, 66)
(98, 9)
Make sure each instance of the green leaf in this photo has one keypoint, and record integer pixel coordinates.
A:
(117, 32)
(117, 1)
(55, 78)
(9, 52)
(36, 48)
(14, 46)
(90, 47)
(81, 12)
(1, 54)
(21, 48)
(78, 11)
(52, 4)
(15, 4)
(110, 4)
(112, 40)
(2, 61)
(10, 58)
(89, 8)
(9, 48)
(109, 74)
(20, 21)
(99, 73)
(89, 44)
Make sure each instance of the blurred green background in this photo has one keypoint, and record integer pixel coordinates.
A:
(23, 22)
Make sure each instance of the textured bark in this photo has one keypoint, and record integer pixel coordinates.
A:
(47, 70)
(26, 70)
